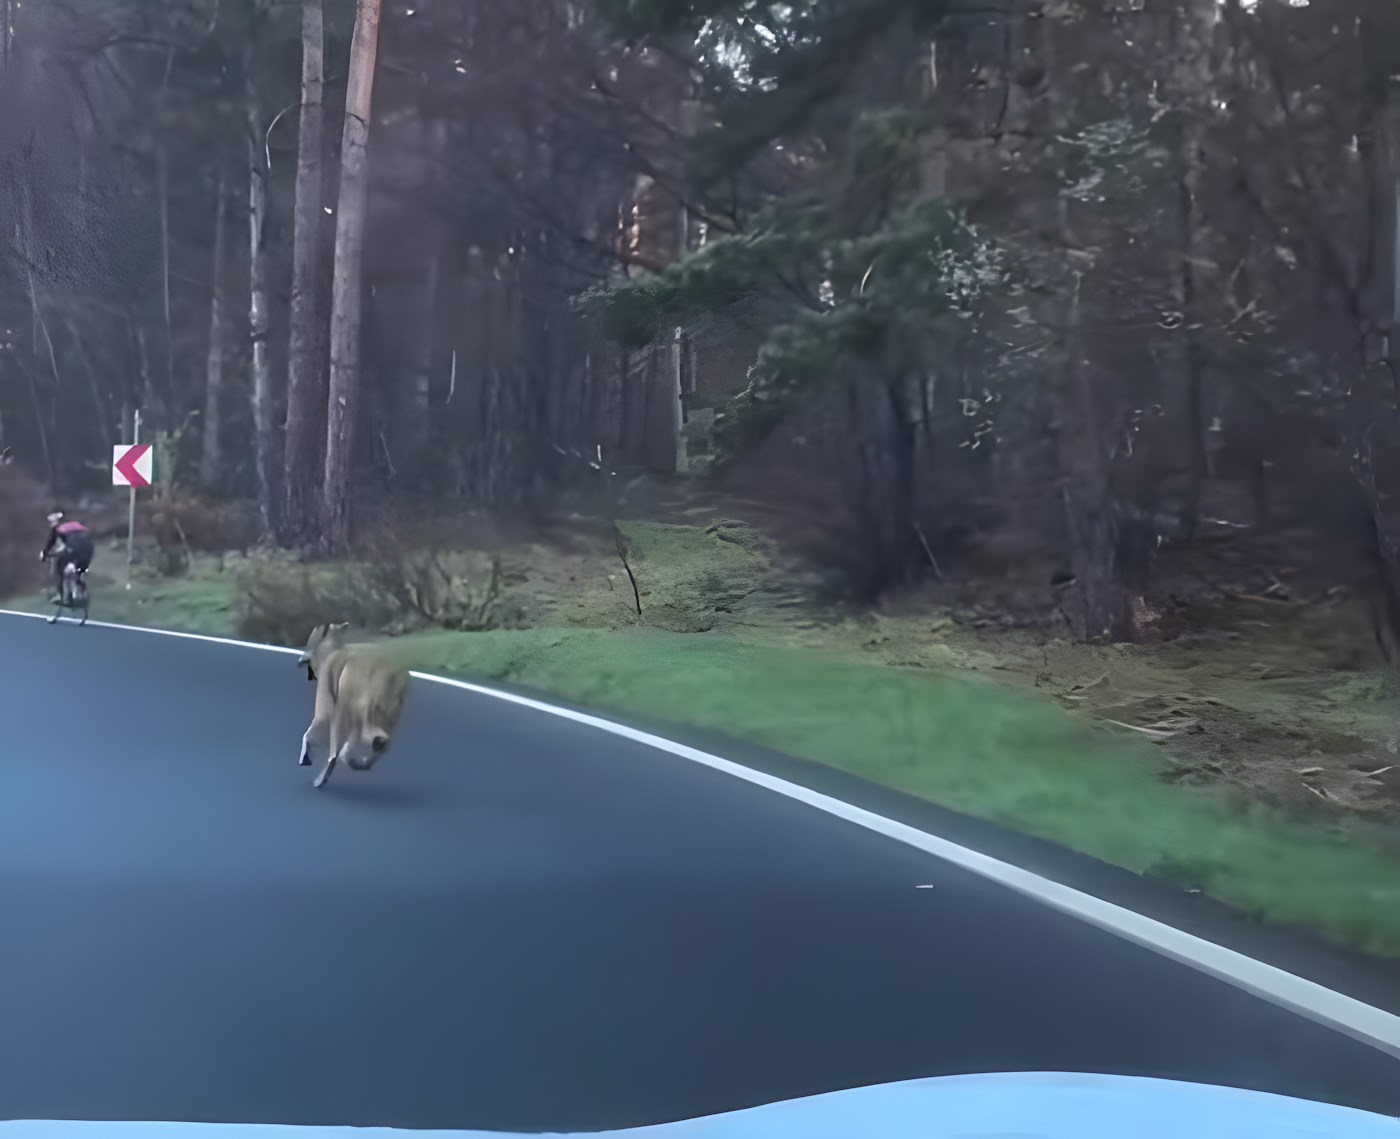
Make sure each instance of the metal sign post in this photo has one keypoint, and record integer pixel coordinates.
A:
(132, 467)
(131, 509)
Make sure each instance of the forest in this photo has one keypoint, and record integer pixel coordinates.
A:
(1051, 341)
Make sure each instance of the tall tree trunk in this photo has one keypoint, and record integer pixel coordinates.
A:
(264, 437)
(1192, 84)
(1376, 464)
(414, 411)
(1101, 610)
(104, 418)
(342, 408)
(306, 376)
(1392, 148)
(162, 164)
(39, 425)
(162, 185)
(143, 367)
(24, 233)
(211, 453)
(883, 493)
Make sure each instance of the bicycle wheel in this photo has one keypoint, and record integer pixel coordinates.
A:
(58, 603)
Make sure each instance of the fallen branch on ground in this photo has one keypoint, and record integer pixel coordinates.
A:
(622, 553)
(1151, 733)
(919, 530)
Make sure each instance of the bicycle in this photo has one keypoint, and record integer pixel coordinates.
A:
(73, 594)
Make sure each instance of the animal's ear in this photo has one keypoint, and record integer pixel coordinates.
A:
(317, 633)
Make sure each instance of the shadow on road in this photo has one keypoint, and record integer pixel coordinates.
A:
(361, 791)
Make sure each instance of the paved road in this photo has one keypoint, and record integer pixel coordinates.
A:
(516, 922)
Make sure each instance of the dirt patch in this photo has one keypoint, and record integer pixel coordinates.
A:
(1289, 702)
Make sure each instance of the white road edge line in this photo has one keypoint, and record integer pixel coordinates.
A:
(1355, 1018)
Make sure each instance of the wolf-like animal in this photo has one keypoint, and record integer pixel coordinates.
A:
(359, 696)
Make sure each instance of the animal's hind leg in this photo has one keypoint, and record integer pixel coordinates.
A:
(315, 741)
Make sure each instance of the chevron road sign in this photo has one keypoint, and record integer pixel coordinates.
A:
(131, 465)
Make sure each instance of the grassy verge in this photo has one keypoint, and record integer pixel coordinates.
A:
(962, 741)
(201, 603)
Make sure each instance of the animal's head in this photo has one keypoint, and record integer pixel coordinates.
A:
(377, 714)
(324, 639)
(362, 751)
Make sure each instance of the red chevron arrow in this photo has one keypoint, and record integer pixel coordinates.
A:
(126, 465)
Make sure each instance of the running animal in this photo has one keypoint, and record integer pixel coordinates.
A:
(359, 696)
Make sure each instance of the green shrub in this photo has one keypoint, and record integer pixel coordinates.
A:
(395, 592)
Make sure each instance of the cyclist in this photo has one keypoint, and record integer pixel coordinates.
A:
(69, 541)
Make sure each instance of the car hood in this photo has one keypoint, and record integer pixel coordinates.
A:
(1029, 1105)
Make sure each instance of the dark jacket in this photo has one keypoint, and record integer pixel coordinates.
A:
(65, 532)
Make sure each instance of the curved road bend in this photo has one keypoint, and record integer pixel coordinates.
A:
(516, 923)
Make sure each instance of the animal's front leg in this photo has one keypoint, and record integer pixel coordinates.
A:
(337, 742)
(314, 740)
(320, 780)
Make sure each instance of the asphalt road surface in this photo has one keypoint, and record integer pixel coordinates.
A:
(515, 922)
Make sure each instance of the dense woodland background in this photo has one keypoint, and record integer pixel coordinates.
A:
(1088, 279)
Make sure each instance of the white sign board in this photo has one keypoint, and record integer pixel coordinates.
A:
(131, 465)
